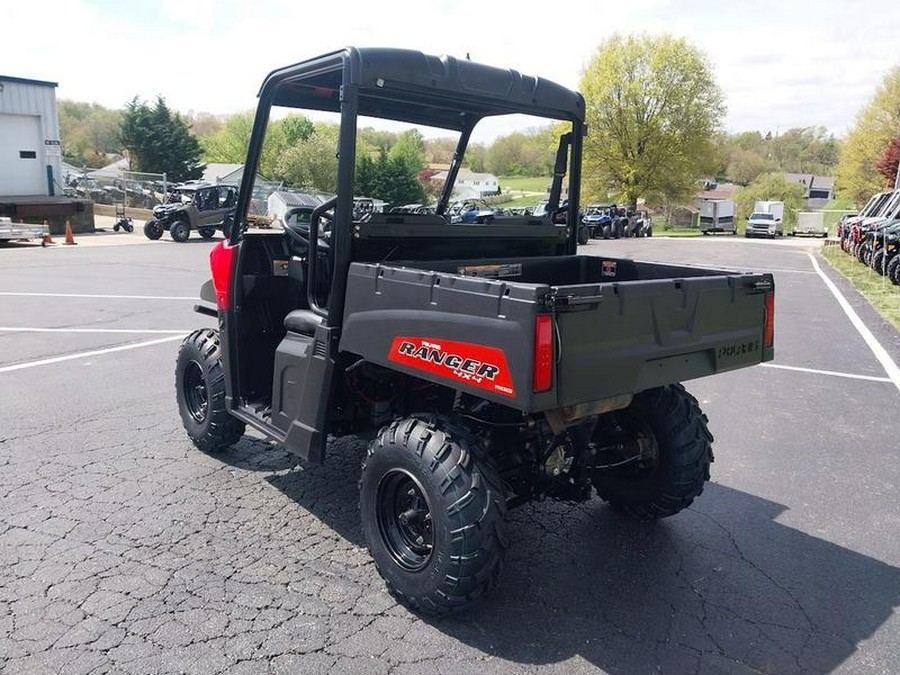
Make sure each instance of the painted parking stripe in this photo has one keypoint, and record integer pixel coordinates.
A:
(832, 373)
(97, 295)
(85, 355)
(127, 331)
(880, 352)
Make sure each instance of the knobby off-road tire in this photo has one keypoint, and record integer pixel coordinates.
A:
(153, 230)
(207, 232)
(876, 261)
(200, 391)
(180, 231)
(893, 269)
(432, 515)
(684, 453)
(584, 235)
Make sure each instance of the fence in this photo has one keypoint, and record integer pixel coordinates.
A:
(106, 186)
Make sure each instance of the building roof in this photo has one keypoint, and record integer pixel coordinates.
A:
(25, 80)
(215, 171)
(721, 191)
(308, 199)
(471, 175)
(811, 181)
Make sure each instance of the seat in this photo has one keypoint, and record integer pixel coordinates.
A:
(303, 321)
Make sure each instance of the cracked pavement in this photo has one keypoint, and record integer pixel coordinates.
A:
(123, 549)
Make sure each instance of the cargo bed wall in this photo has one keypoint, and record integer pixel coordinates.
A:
(646, 334)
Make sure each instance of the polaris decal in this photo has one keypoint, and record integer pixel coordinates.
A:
(475, 365)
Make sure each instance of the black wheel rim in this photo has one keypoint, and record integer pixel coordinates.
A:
(196, 394)
(404, 520)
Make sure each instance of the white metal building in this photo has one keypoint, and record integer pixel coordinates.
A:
(29, 138)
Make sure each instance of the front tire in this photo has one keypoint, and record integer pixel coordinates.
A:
(893, 269)
(584, 235)
(153, 230)
(432, 515)
(680, 466)
(207, 232)
(200, 392)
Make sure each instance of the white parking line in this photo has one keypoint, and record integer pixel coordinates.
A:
(880, 352)
(91, 295)
(833, 373)
(85, 355)
(151, 331)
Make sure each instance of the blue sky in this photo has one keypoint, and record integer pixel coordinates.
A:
(780, 64)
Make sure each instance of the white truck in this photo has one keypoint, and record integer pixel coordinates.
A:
(717, 215)
(767, 220)
(811, 223)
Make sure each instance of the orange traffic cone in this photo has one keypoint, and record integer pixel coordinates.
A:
(47, 238)
(70, 238)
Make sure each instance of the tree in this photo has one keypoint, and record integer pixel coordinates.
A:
(89, 132)
(889, 164)
(521, 153)
(388, 179)
(745, 166)
(160, 141)
(771, 187)
(857, 176)
(311, 164)
(653, 107)
(410, 150)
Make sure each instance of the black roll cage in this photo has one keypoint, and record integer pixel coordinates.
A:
(413, 87)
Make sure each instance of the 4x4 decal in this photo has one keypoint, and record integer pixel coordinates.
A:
(476, 365)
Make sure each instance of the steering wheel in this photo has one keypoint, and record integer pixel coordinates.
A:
(300, 234)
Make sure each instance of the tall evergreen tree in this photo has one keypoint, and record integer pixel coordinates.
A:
(158, 140)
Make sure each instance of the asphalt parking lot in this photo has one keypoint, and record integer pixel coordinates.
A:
(124, 549)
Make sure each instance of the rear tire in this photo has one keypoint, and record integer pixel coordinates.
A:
(180, 231)
(153, 230)
(200, 392)
(432, 515)
(683, 456)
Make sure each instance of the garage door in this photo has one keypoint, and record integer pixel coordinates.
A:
(21, 156)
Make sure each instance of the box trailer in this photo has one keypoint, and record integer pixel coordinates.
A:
(717, 215)
(811, 223)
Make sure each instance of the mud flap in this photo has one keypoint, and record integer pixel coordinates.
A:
(301, 390)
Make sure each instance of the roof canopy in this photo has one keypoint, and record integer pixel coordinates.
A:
(409, 86)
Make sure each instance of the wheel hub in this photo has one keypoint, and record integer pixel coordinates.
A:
(196, 394)
(404, 520)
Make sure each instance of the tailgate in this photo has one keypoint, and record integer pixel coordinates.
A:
(624, 337)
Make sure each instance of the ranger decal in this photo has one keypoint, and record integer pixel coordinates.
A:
(472, 364)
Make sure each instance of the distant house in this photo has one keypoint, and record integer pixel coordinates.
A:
(471, 185)
(217, 172)
(564, 193)
(819, 189)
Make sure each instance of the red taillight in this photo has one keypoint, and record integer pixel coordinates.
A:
(221, 259)
(543, 352)
(769, 331)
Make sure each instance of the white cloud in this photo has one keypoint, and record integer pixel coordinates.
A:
(780, 64)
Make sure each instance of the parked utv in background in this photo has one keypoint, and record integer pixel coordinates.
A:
(489, 364)
(203, 208)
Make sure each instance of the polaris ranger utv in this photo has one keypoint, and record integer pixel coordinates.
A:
(488, 363)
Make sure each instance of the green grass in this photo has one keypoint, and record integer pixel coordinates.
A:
(676, 233)
(524, 183)
(878, 290)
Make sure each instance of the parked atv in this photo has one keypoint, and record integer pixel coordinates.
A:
(203, 208)
(489, 364)
(884, 245)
